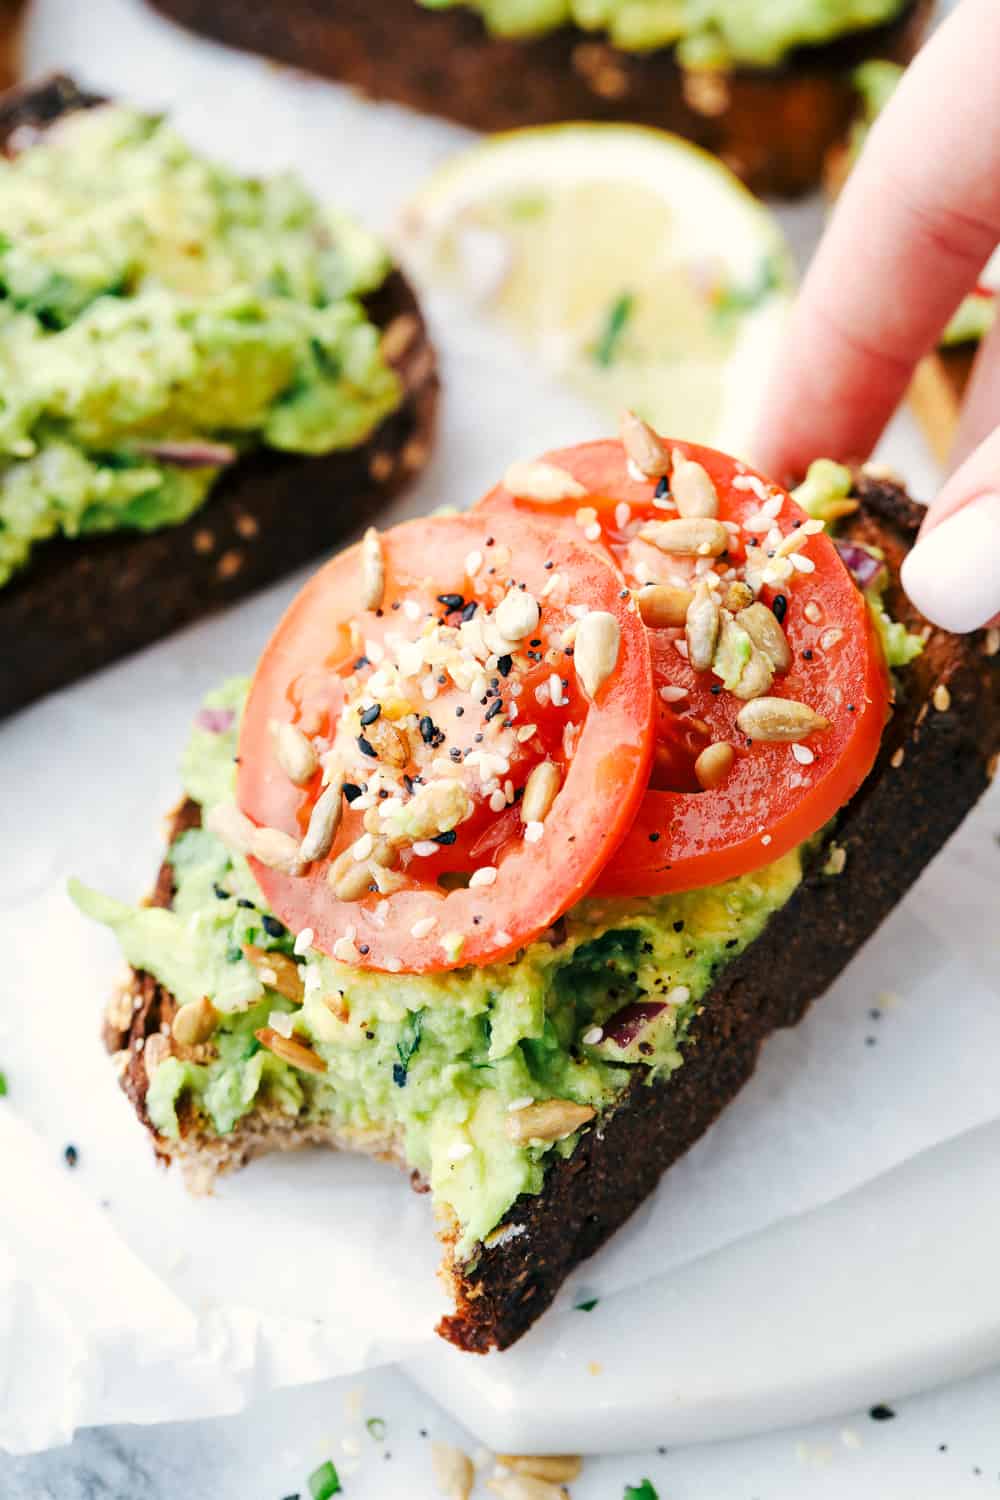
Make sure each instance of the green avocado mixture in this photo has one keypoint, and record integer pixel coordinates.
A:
(437, 1060)
(707, 33)
(159, 316)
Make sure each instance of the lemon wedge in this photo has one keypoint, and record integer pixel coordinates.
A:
(632, 265)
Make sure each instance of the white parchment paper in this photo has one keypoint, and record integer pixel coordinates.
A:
(121, 1298)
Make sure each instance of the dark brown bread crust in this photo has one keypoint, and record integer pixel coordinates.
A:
(81, 604)
(773, 126)
(939, 753)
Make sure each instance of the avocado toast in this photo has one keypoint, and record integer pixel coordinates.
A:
(766, 86)
(209, 380)
(539, 1078)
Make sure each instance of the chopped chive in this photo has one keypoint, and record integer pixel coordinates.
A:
(376, 1427)
(644, 1491)
(325, 1481)
(619, 313)
(587, 1306)
(3, 1085)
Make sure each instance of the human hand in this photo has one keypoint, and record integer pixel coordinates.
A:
(916, 224)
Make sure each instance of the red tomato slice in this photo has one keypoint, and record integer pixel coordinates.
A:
(776, 795)
(439, 726)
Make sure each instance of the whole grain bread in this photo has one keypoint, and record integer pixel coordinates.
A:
(939, 753)
(82, 603)
(772, 126)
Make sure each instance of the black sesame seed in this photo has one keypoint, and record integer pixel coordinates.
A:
(366, 747)
(273, 927)
(715, 689)
(399, 1075)
(371, 714)
(71, 1156)
(679, 925)
(478, 739)
(459, 711)
(370, 1036)
(495, 707)
(662, 488)
(534, 643)
(363, 948)
(362, 661)
(470, 609)
(780, 607)
(807, 655)
(504, 664)
(489, 541)
(455, 753)
(654, 838)
(448, 837)
(220, 893)
(451, 601)
(428, 729)
(549, 565)
(242, 901)
(351, 791)
(881, 1413)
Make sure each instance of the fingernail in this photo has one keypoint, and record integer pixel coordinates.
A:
(953, 573)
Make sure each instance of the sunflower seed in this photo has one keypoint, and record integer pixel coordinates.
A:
(942, 698)
(542, 481)
(231, 826)
(694, 493)
(453, 1471)
(737, 596)
(595, 653)
(557, 1468)
(767, 635)
(643, 446)
(701, 627)
(277, 971)
(290, 1051)
(517, 615)
(540, 791)
(294, 753)
(372, 570)
(277, 850)
(689, 536)
(390, 743)
(194, 1022)
(324, 820)
(662, 606)
(779, 720)
(348, 878)
(714, 764)
(549, 1121)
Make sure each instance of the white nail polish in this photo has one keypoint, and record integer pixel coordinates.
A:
(953, 573)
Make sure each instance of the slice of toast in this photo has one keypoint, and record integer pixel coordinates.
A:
(82, 603)
(939, 753)
(772, 126)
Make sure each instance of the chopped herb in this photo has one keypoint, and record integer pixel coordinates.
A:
(376, 1426)
(589, 1305)
(644, 1491)
(253, 1047)
(733, 300)
(409, 1041)
(325, 1481)
(3, 1085)
(606, 348)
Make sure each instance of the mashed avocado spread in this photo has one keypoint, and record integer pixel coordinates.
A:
(707, 33)
(160, 315)
(437, 1060)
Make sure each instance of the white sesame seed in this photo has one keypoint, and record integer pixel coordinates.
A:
(757, 524)
(533, 832)
(556, 695)
(423, 926)
(554, 582)
(679, 995)
(766, 839)
(812, 612)
(281, 1022)
(801, 563)
(473, 563)
(501, 937)
(593, 531)
(522, 1102)
(773, 506)
(345, 951)
(635, 473)
(813, 526)
(497, 801)
(592, 1037)
(459, 1151)
(525, 732)
(429, 688)
(392, 963)
(424, 848)
(803, 754)
(375, 652)
(623, 514)
(485, 875)
(671, 694)
(363, 846)
(752, 484)
(304, 941)
(542, 693)
(663, 502)
(411, 609)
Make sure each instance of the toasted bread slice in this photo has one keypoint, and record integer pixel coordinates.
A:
(772, 126)
(939, 752)
(82, 603)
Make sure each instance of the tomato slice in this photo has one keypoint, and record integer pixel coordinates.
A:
(775, 795)
(436, 732)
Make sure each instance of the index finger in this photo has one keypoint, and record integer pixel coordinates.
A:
(917, 222)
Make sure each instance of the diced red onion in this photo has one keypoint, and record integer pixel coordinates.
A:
(191, 455)
(863, 568)
(626, 1024)
(215, 720)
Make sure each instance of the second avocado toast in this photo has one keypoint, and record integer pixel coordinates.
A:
(352, 965)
